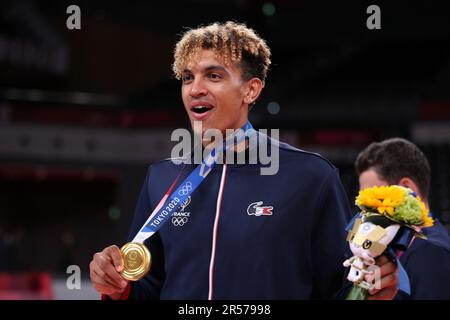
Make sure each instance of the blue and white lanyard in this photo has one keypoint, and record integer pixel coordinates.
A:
(172, 201)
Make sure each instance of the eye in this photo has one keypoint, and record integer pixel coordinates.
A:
(367, 244)
(214, 76)
(186, 78)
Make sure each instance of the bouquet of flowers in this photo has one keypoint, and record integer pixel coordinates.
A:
(390, 217)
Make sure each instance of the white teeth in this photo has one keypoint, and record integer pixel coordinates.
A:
(201, 109)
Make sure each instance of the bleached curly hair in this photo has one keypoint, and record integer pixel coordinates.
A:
(231, 41)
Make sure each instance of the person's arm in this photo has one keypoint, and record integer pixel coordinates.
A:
(107, 265)
(329, 248)
(150, 286)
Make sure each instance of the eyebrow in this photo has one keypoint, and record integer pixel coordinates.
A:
(209, 68)
(215, 67)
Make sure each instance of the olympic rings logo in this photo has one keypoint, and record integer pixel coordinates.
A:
(179, 221)
(185, 189)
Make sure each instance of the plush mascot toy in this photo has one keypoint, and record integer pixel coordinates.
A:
(390, 217)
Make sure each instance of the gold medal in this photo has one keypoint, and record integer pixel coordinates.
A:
(136, 260)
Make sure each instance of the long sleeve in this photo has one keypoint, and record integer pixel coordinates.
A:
(329, 246)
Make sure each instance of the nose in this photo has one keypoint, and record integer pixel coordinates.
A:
(198, 89)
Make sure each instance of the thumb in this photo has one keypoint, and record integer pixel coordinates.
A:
(116, 258)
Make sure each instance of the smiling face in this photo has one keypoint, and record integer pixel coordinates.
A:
(216, 94)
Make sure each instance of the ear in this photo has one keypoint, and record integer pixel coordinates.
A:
(409, 183)
(252, 90)
(391, 231)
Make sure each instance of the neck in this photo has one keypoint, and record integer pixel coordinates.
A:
(241, 146)
(211, 144)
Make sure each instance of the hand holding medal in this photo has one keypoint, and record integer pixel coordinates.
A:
(105, 272)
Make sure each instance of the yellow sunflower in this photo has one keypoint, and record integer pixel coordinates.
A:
(427, 221)
(383, 199)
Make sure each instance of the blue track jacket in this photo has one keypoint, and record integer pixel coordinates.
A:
(244, 235)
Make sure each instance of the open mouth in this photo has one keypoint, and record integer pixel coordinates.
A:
(201, 109)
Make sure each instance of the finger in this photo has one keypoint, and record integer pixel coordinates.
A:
(384, 294)
(389, 280)
(100, 278)
(381, 260)
(385, 269)
(102, 264)
(101, 281)
(122, 282)
(101, 285)
(114, 253)
(112, 274)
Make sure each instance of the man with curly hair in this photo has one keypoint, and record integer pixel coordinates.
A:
(397, 161)
(243, 235)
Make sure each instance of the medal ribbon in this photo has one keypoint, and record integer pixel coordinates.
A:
(172, 201)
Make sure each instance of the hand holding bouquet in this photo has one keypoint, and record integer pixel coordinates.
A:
(390, 217)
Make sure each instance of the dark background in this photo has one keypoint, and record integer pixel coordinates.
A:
(84, 112)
